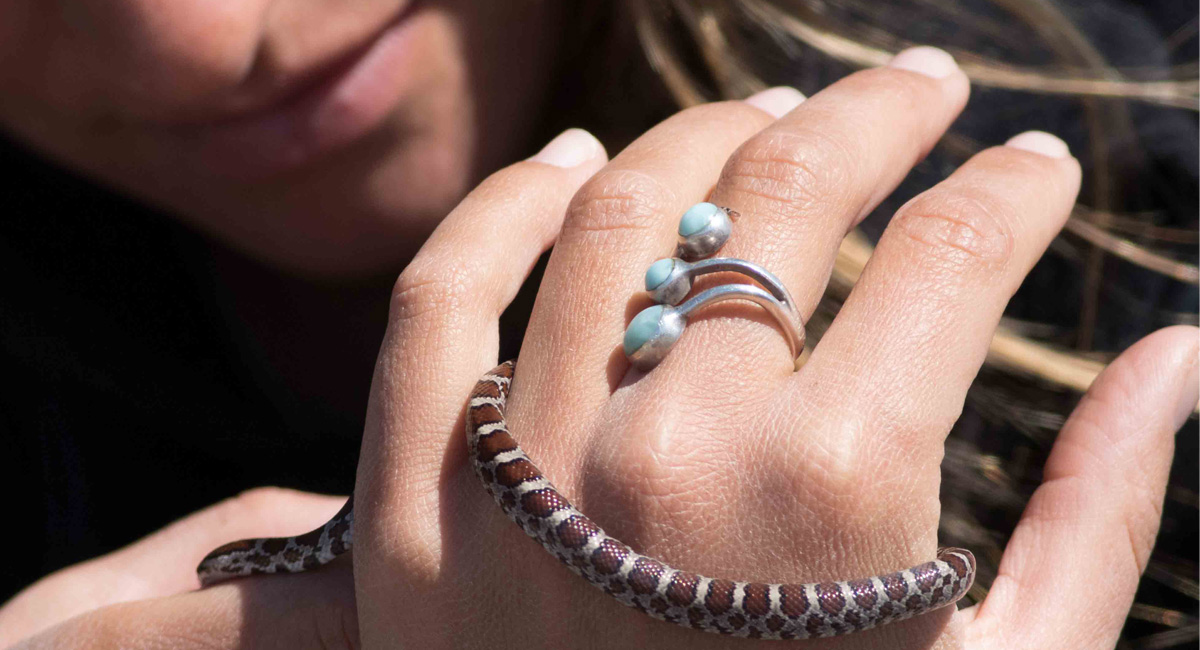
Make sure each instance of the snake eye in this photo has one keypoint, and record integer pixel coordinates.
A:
(703, 230)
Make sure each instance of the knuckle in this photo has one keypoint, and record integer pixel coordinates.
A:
(903, 420)
(826, 462)
(665, 472)
(791, 171)
(1094, 418)
(1123, 445)
(959, 231)
(431, 286)
(1100, 447)
(1142, 521)
(618, 200)
(1066, 500)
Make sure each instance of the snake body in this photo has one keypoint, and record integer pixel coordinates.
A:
(742, 609)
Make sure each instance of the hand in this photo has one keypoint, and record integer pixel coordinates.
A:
(143, 595)
(722, 460)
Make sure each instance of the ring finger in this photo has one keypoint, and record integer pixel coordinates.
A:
(918, 324)
(807, 179)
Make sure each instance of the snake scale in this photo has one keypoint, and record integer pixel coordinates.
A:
(743, 609)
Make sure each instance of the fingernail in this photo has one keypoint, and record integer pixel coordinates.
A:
(1040, 142)
(926, 60)
(777, 101)
(571, 148)
(1188, 396)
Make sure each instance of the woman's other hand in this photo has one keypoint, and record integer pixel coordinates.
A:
(144, 596)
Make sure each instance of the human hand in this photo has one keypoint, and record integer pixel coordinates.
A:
(722, 461)
(143, 595)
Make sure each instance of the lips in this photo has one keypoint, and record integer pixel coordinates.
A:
(352, 100)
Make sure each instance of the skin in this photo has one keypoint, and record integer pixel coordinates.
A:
(158, 99)
(721, 460)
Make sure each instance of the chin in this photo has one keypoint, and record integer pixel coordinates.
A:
(361, 212)
(347, 177)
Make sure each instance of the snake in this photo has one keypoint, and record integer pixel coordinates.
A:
(730, 607)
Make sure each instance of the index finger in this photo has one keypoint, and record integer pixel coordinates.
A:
(443, 333)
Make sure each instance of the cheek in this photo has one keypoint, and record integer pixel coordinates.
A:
(363, 211)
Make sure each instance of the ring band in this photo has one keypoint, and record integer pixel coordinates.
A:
(703, 231)
(668, 281)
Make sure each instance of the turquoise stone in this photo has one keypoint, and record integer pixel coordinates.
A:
(658, 273)
(642, 328)
(696, 219)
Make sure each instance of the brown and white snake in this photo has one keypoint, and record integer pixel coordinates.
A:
(744, 609)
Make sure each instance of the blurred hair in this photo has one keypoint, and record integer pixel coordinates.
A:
(1116, 80)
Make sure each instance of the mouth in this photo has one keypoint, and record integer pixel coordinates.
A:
(350, 100)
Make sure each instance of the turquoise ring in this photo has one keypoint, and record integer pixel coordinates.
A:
(655, 329)
(703, 230)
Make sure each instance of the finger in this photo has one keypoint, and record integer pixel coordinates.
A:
(314, 610)
(619, 223)
(915, 329)
(442, 336)
(1069, 573)
(162, 563)
(804, 181)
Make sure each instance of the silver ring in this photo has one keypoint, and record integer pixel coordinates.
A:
(703, 230)
(669, 280)
(655, 329)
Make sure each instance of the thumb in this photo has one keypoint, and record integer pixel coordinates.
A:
(1070, 571)
(164, 562)
(307, 611)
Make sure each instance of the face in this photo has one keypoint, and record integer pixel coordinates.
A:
(325, 136)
